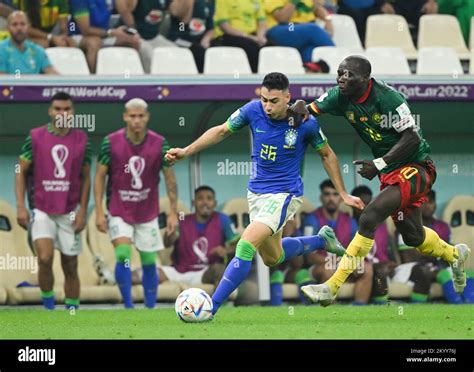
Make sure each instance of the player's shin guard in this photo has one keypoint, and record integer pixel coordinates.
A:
(450, 295)
(358, 248)
(236, 271)
(123, 274)
(150, 278)
(434, 246)
(276, 288)
(299, 245)
(47, 297)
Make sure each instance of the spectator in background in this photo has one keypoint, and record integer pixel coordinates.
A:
(5, 11)
(19, 55)
(241, 24)
(192, 26)
(146, 17)
(202, 244)
(412, 10)
(90, 29)
(291, 23)
(463, 10)
(360, 10)
(383, 265)
(345, 228)
(49, 22)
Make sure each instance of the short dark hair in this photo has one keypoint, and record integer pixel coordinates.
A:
(361, 190)
(362, 66)
(61, 96)
(326, 183)
(204, 188)
(275, 80)
(431, 195)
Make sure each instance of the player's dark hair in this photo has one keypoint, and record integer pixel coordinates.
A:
(204, 188)
(361, 190)
(431, 195)
(61, 96)
(361, 65)
(275, 80)
(326, 183)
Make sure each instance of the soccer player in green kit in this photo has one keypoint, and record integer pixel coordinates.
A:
(383, 120)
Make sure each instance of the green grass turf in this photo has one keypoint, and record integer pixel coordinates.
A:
(404, 321)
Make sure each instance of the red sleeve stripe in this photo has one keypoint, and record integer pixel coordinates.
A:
(314, 108)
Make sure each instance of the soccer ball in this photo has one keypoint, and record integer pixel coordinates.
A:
(193, 305)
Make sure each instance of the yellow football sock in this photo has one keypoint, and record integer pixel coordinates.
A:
(436, 247)
(358, 248)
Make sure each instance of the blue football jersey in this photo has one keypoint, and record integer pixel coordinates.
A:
(278, 149)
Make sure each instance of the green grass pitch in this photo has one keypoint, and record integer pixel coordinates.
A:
(397, 321)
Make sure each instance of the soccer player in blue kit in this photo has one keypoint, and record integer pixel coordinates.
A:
(275, 188)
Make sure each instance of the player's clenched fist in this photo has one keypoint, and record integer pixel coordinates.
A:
(352, 201)
(101, 222)
(23, 217)
(175, 154)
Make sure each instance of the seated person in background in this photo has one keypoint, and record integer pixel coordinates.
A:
(241, 24)
(360, 10)
(411, 10)
(291, 23)
(5, 11)
(383, 265)
(421, 271)
(345, 227)
(89, 28)
(146, 17)
(49, 21)
(202, 243)
(192, 26)
(19, 55)
(463, 10)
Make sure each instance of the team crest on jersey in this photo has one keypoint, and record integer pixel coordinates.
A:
(377, 118)
(290, 138)
(350, 116)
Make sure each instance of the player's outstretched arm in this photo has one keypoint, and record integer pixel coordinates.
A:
(99, 185)
(331, 165)
(211, 137)
(20, 189)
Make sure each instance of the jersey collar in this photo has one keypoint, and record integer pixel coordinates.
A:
(366, 94)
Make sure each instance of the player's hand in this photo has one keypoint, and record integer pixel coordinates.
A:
(352, 201)
(175, 154)
(101, 222)
(79, 221)
(219, 251)
(22, 217)
(368, 169)
(171, 224)
(298, 112)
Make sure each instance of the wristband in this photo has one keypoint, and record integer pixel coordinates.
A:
(379, 163)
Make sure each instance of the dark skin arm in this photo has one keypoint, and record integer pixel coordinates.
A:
(408, 143)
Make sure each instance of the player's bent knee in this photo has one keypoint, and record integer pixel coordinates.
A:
(123, 253)
(369, 220)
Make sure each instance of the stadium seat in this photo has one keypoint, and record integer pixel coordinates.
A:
(471, 36)
(238, 211)
(283, 59)
(459, 214)
(173, 61)
(68, 61)
(345, 33)
(441, 30)
(438, 61)
(388, 61)
(333, 56)
(471, 63)
(226, 61)
(118, 61)
(387, 30)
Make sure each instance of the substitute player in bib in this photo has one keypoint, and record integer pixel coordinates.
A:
(55, 168)
(275, 187)
(132, 158)
(382, 118)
